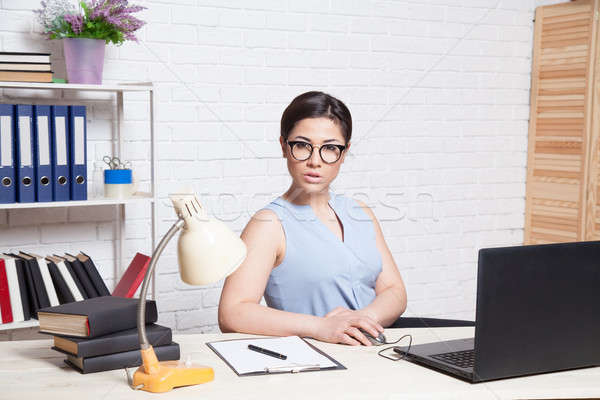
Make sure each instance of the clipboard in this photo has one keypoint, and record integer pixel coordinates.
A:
(301, 356)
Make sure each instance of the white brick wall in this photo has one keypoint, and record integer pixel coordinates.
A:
(439, 92)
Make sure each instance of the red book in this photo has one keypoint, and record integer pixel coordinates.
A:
(133, 277)
(5, 307)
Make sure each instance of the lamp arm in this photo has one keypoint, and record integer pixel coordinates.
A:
(141, 310)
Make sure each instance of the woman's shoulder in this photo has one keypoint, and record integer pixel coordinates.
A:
(266, 214)
(276, 207)
(265, 221)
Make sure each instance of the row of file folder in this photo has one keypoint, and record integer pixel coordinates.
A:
(43, 153)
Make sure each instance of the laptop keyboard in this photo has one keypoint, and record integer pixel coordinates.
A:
(462, 359)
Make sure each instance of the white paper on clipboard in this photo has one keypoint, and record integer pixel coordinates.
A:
(300, 355)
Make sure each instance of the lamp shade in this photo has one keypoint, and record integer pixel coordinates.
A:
(208, 250)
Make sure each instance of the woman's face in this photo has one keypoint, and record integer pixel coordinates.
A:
(313, 176)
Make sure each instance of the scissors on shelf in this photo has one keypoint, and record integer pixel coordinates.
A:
(115, 163)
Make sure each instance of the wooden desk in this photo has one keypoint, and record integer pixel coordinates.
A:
(31, 370)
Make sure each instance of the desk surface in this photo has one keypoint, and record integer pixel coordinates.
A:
(31, 370)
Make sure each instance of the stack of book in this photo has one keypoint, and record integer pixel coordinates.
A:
(29, 282)
(100, 334)
(25, 67)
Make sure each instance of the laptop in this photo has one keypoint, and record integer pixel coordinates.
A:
(538, 310)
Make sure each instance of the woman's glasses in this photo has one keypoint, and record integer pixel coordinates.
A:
(330, 153)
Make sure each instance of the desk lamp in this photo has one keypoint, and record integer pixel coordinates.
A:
(207, 252)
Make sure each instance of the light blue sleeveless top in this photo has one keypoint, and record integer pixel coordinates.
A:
(319, 272)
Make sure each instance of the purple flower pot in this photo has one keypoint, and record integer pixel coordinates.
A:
(85, 60)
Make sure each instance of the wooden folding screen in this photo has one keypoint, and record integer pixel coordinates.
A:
(562, 171)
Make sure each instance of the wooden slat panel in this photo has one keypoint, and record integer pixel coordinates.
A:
(558, 139)
(557, 135)
(559, 132)
(545, 207)
(561, 114)
(563, 61)
(554, 90)
(559, 234)
(575, 37)
(556, 231)
(558, 167)
(565, 66)
(537, 240)
(567, 73)
(561, 97)
(556, 191)
(549, 221)
(563, 166)
(545, 106)
(557, 159)
(555, 19)
(581, 50)
(542, 238)
(551, 120)
(563, 43)
(547, 124)
(593, 199)
(554, 173)
(559, 100)
(562, 83)
(550, 147)
(563, 86)
(581, 26)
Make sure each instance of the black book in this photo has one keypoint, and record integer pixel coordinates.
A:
(117, 342)
(42, 267)
(94, 275)
(62, 290)
(75, 277)
(125, 359)
(94, 317)
(34, 304)
(23, 289)
(83, 276)
(38, 295)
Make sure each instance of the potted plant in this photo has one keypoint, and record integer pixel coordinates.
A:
(86, 29)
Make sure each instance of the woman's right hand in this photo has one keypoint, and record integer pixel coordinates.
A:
(345, 328)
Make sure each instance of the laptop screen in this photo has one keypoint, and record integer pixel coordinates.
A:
(538, 309)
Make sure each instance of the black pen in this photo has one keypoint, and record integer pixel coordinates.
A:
(267, 352)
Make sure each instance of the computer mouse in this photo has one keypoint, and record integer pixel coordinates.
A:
(376, 341)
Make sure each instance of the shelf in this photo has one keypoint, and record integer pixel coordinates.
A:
(118, 87)
(19, 325)
(136, 199)
(8, 89)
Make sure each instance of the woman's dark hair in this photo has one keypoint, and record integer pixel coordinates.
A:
(315, 105)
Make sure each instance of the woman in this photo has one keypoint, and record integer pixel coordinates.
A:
(319, 259)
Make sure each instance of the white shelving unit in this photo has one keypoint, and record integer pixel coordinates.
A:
(10, 89)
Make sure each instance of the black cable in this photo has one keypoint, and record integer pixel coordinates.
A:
(399, 357)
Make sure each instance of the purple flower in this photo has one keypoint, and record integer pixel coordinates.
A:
(76, 22)
(113, 19)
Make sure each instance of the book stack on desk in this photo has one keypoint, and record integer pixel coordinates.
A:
(100, 334)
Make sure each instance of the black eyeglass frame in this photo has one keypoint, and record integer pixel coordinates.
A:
(292, 143)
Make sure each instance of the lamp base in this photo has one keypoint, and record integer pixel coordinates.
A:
(159, 377)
